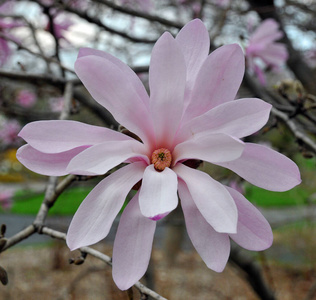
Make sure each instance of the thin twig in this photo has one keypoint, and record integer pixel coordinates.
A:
(294, 129)
(48, 59)
(20, 236)
(140, 14)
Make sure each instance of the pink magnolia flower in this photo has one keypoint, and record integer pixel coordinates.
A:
(61, 25)
(26, 98)
(263, 48)
(190, 115)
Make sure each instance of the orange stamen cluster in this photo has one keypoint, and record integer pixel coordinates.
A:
(161, 158)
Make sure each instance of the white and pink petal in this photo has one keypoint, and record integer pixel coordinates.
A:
(132, 76)
(211, 198)
(253, 230)
(265, 168)
(56, 136)
(212, 246)
(94, 217)
(49, 164)
(167, 78)
(132, 246)
(218, 80)
(158, 193)
(194, 42)
(114, 89)
(237, 118)
(100, 158)
(217, 147)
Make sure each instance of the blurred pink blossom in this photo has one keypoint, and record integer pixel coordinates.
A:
(194, 6)
(5, 25)
(62, 24)
(9, 132)
(190, 115)
(6, 199)
(26, 98)
(236, 185)
(56, 104)
(310, 57)
(222, 3)
(264, 51)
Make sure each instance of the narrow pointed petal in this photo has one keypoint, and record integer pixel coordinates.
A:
(63, 135)
(94, 217)
(167, 77)
(253, 230)
(47, 163)
(211, 198)
(212, 246)
(217, 81)
(132, 246)
(101, 158)
(194, 42)
(265, 168)
(267, 32)
(213, 148)
(132, 76)
(112, 88)
(237, 118)
(158, 193)
(274, 55)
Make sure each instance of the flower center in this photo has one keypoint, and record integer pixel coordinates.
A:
(161, 158)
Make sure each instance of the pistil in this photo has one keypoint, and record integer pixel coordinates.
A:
(161, 158)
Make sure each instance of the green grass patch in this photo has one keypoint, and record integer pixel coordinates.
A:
(264, 198)
(26, 202)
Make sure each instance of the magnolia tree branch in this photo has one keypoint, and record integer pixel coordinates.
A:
(60, 235)
(19, 237)
(303, 137)
(140, 14)
(253, 274)
(291, 123)
(37, 54)
(94, 20)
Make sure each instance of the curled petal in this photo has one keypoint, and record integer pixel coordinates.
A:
(211, 198)
(94, 217)
(47, 163)
(63, 135)
(253, 230)
(167, 77)
(265, 168)
(100, 158)
(132, 246)
(213, 148)
(158, 193)
(212, 246)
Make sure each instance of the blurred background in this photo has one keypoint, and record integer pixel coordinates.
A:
(39, 43)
